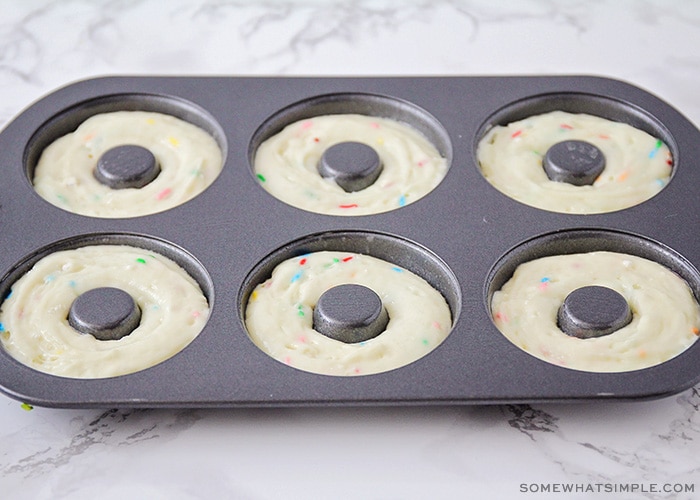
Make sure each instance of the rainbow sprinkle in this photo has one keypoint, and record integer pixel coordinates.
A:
(164, 194)
(658, 145)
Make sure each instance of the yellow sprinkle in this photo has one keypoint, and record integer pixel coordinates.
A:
(27, 407)
(254, 295)
(380, 140)
(150, 121)
(173, 141)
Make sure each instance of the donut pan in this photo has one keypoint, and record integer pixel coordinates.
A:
(464, 237)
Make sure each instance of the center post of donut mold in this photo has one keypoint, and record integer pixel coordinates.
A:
(126, 166)
(575, 162)
(350, 313)
(352, 165)
(106, 313)
(593, 311)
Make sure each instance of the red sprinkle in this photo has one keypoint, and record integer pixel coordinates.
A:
(503, 317)
(351, 205)
(164, 193)
(302, 262)
(316, 139)
(603, 136)
(566, 126)
(346, 259)
(516, 134)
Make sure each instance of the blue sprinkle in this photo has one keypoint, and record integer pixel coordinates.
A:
(653, 153)
(9, 294)
(49, 278)
(71, 283)
(402, 200)
(397, 269)
(296, 276)
(660, 182)
(2, 327)
(544, 280)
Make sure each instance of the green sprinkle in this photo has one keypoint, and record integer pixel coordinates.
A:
(425, 342)
(27, 407)
(261, 177)
(300, 310)
(141, 261)
(62, 198)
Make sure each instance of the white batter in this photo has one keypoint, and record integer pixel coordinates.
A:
(279, 315)
(665, 321)
(189, 158)
(34, 318)
(637, 165)
(286, 164)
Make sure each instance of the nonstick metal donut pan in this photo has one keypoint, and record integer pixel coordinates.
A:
(464, 237)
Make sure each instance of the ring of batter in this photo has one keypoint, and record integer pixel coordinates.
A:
(189, 159)
(286, 164)
(34, 326)
(637, 165)
(279, 315)
(665, 322)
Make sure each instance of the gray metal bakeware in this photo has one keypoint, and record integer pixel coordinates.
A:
(464, 237)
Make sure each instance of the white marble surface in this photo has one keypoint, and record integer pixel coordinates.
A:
(376, 453)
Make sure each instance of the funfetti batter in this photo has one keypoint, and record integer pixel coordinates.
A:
(637, 165)
(34, 326)
(665, 321)
(286, 164)
(189, 158)
(279, 315)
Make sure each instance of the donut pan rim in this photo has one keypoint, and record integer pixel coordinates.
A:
(465, 222)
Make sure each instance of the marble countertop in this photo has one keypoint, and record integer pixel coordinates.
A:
(602, 450)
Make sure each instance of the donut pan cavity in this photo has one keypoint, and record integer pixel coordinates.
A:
(464, 237)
